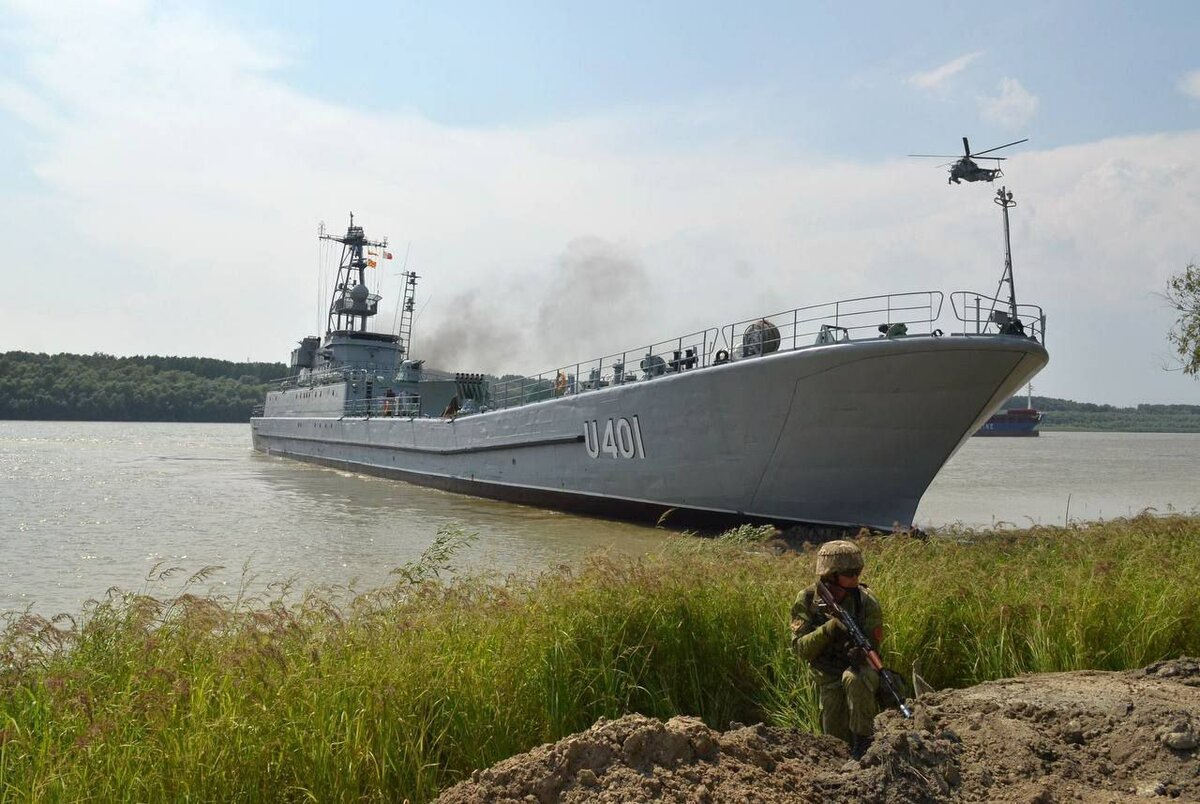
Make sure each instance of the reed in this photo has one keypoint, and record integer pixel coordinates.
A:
(401, 691)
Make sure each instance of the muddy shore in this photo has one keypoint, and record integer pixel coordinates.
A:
(1084, 736)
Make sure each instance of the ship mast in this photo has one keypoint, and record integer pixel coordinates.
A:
(1005, 199)
(352, 303)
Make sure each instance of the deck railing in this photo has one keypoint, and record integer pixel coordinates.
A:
(982, 314)
(682, 353)
(894, 314)
(847, 319)
(406, 406)
(353, 372)
(798, 328)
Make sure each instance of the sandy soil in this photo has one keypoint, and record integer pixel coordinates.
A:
(1056, 737)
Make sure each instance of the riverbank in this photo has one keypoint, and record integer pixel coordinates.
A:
(408, 689)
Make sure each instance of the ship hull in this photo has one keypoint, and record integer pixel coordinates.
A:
(848, 434)
(1012, 423)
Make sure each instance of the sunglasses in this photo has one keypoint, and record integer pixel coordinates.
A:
(854, 573)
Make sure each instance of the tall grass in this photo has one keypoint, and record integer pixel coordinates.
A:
(406, 689)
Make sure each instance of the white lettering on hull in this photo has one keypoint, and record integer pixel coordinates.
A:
(621, 438)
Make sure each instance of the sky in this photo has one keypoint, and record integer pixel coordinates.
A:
(572, 179)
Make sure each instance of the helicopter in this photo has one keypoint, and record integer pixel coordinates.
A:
(965, 168)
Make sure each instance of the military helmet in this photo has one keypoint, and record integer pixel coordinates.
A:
(838, 556)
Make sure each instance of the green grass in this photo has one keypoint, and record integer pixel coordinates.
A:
(402, 691)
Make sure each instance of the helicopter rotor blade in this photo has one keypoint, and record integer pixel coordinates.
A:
(966, 148)
(998, 147)
(936, 156)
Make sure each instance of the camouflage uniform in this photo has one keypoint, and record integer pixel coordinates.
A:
(847, 693)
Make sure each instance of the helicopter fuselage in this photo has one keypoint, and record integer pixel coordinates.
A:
(967, 170)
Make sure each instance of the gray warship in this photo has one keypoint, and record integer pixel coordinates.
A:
(836, 414)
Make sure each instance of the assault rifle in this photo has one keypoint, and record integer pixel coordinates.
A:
(860, 640)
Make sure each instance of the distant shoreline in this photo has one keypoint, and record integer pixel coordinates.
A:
(99, 387)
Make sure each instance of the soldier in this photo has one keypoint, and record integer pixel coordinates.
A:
(846, 683)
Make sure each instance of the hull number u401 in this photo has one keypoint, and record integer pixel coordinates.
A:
(616, 438)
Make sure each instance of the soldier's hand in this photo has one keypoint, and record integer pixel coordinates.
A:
(834, 626)
(858, 656)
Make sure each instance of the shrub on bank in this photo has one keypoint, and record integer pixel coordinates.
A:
(406, 689)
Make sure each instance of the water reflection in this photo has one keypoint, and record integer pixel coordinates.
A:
(510, 536)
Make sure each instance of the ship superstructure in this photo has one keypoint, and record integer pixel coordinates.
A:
(354, 370)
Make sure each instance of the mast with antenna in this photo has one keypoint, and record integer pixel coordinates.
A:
(1004, 198)
(320, 271)
(352, 303)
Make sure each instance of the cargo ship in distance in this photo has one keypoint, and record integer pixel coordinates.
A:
(831, 414)
(1013, 422)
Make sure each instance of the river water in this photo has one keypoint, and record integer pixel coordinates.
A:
(86, 506)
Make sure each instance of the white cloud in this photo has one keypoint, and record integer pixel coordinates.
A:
(25, 105)
(1190, 84)
(178, 198)
(938, 76)
(1012, 107)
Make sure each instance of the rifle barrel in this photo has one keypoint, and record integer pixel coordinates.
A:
(860, 640)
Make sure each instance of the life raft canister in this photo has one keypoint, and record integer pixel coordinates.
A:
(760, 338)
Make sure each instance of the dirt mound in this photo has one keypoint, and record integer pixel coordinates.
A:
(1083, 736)
(1056, 737)
(636, 758)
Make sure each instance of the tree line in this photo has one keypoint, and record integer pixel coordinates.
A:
(102, 387)
(1065, 414)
